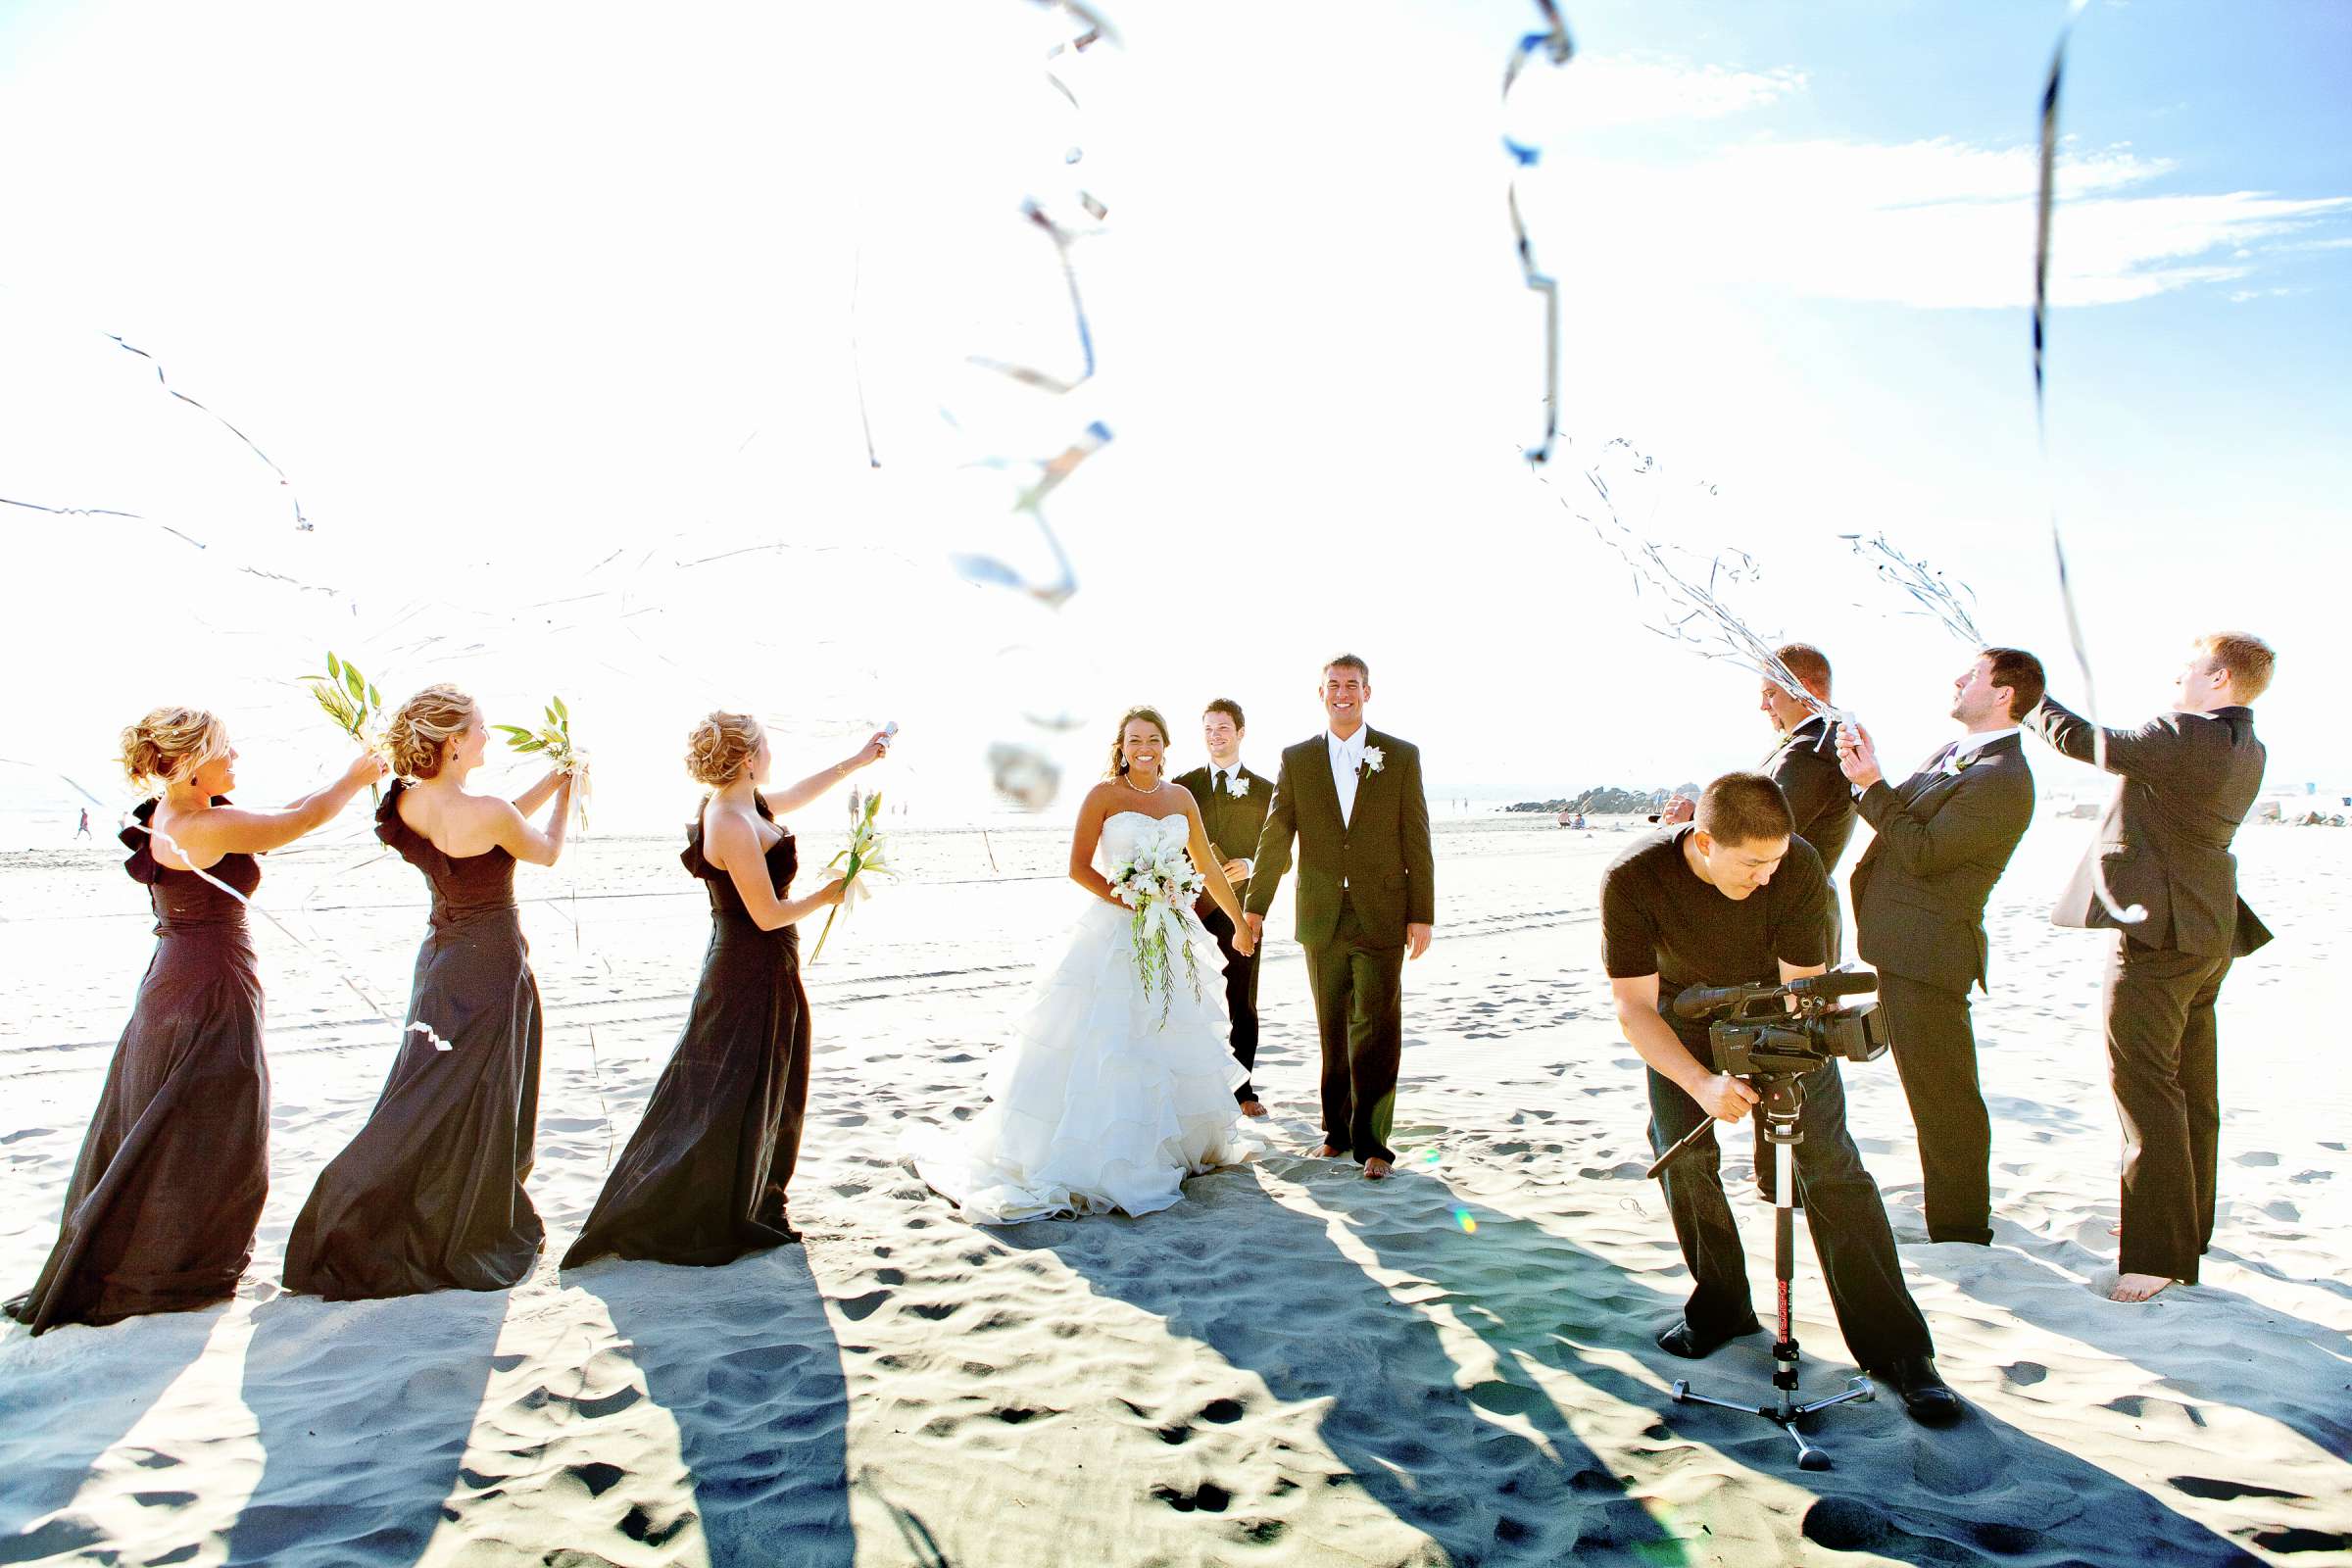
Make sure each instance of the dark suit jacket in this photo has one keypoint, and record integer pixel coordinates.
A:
(1942, 842)
(2188, 780)
(1822, 802)
(1233, 824)
(1383, 855)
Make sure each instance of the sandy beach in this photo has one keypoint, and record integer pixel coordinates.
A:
(1291, 1366)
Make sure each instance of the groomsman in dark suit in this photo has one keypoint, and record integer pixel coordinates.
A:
(1944, 836)
(2189, 779)
(1804, 764)
(1233, 807)
(1805, 768)
(1367, 897)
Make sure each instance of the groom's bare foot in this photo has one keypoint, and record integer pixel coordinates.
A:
(1323, 1152)
(1375, 1168)
(1253, 1107)
(2137, 1287)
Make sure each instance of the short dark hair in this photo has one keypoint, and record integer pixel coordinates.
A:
(1349, 662)
(1229, 708)
(1810, 664)
(1744, 809)
(2022, 673)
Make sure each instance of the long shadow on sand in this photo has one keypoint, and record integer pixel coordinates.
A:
(1980, 1491)
(1397, 1419)
(65, 1400)
(2291, 1370)
(752, 1376)
(361, 1449)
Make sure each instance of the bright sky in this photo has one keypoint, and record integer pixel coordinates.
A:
(542, 308)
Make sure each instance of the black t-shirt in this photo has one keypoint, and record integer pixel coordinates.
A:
(1657, 917)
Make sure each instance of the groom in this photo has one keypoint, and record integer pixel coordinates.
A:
(1367, 897)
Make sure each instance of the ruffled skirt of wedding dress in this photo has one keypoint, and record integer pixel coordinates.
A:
(1094, 1106)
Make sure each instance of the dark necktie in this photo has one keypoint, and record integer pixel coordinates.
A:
(1941, 759)
(1219, 788)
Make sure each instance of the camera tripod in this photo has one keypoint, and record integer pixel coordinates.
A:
(1777, 1111)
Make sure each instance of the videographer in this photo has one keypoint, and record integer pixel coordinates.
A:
(1732, 898)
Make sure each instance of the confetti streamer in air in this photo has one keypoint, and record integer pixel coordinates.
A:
(300, 522)
(1555, 45)
(856, 365)
(1937, 596)
(1047, 381)
(2044, 203)
(989, 571)
(1694, 610)
(80, 512)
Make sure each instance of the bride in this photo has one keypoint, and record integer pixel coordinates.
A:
(1118, 1083)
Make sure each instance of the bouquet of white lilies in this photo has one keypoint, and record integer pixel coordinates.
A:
(866, 854)
(1159, 884)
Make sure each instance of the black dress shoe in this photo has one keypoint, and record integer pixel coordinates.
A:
(1687, 1342)
(1925, 1396)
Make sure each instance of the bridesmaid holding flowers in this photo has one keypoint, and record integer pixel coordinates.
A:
(160, 1211)
(702, 1180)
(429, 1194)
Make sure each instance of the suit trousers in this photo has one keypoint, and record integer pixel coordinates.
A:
(2162, 1057)
(1936, 1052)
(1241, 998)
(1360, 1014)
(1847, 1220)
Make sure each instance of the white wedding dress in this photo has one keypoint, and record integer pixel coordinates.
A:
(1094, 1105)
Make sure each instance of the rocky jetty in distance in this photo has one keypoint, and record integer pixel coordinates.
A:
(1607, 799)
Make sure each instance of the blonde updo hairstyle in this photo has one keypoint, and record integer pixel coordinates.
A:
(1118, 740)
(720, 748)
(170, 743)
(413, 740)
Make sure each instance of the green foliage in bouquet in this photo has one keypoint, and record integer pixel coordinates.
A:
(351, 700)
(553, 740)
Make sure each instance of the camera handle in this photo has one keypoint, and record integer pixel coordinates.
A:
(1781, 1103)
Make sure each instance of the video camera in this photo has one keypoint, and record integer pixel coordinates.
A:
(1756, 1033)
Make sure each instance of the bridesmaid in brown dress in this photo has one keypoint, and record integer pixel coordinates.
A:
(429, 1194)
(160, 1211)
(702, 1180)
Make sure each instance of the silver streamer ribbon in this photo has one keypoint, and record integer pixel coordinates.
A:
(2045, 202)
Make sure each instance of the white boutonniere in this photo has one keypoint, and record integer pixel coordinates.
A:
(1374, 756)
(1239, 788)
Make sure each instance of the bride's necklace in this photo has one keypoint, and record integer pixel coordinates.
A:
(1154, 790)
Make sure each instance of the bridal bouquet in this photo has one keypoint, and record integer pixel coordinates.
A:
(867, 853)
(351, 700)
(553, 737)
(1159, 884)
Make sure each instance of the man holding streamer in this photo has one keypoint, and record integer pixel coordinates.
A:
(1730, 899)
(2187, 780)
(1943, 837)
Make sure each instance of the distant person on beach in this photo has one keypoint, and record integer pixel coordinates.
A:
(704, 1178)
(428, 1194)
(1943, 837)
(161, 1211)
(1233, 802)
(1734, 897)
(81, 830)
(2187, 781)
(1368, 898)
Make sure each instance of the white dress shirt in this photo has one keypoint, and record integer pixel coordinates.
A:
(1968, 745)
(1346, 763)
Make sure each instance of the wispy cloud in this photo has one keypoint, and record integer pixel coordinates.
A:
(1938, 224)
